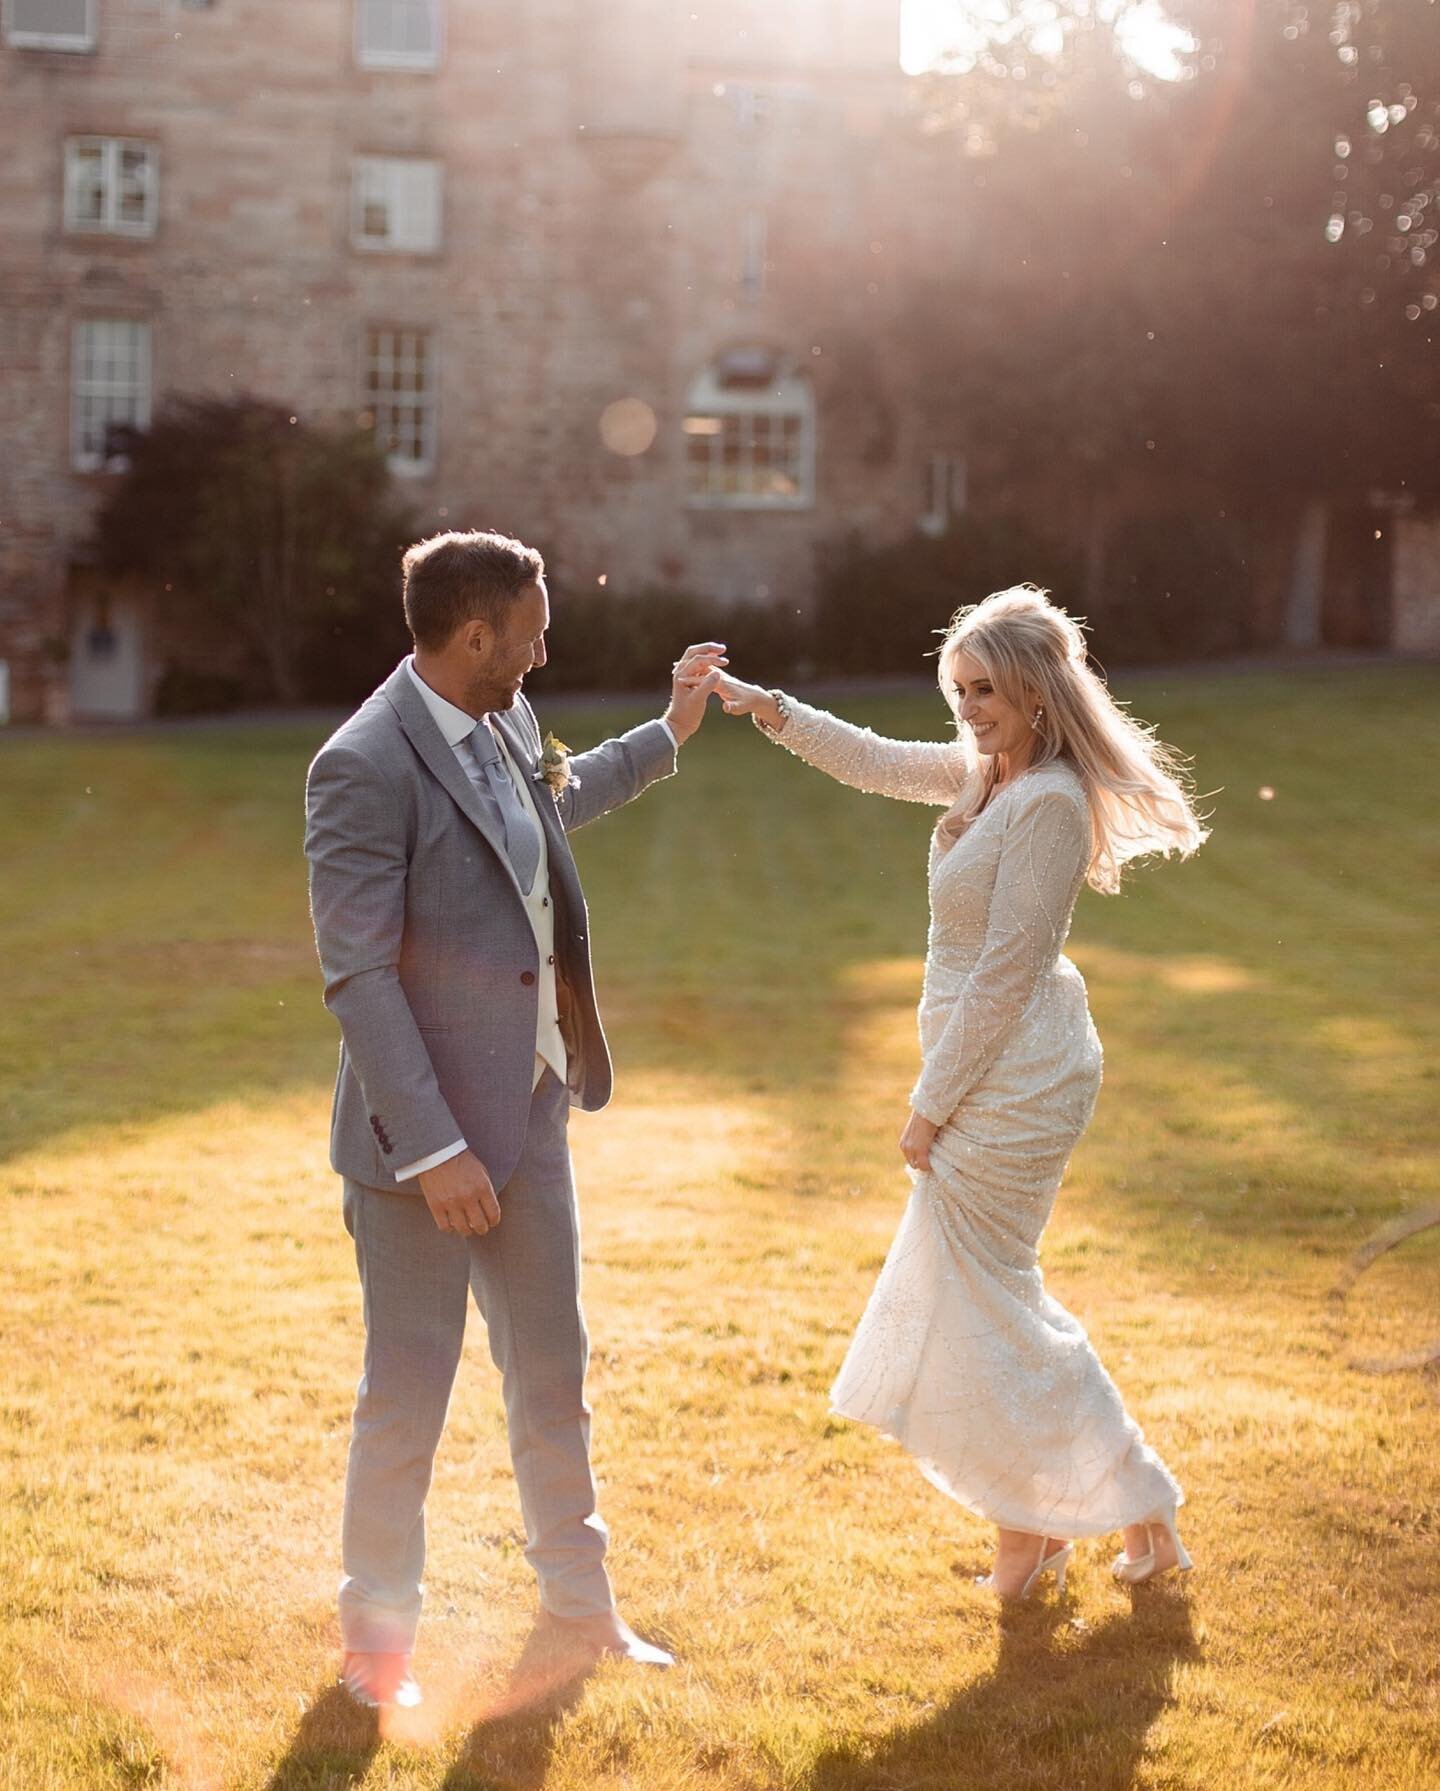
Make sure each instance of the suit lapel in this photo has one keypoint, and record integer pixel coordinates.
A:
(439, 759)
(522, 750)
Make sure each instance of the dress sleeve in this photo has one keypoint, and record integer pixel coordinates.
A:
(933, 771)
(1043, 856)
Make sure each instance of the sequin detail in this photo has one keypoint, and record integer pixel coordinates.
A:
(961, 1355)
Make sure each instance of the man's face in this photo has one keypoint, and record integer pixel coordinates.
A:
(512, 650)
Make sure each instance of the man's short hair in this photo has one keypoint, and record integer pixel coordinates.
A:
(454, 578)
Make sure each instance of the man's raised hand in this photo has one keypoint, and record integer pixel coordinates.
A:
(460, 1196)
(696, 674)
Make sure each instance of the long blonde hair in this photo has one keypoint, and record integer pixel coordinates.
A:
(1138, 791)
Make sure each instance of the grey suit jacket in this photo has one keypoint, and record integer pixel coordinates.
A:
(429, 958)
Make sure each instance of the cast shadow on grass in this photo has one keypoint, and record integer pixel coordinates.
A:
(332, 1747)
(513, 1740)
(510, 1743)
(1046, 1716)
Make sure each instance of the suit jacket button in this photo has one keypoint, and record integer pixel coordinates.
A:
(551, 958)
(527, 977)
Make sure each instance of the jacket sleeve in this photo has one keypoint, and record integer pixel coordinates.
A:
(614, 773)
(1042, 861)
(355, 841)
(933, 771)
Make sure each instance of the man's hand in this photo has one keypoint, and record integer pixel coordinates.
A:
(460, 1196)
(697, 672)
(915, 1141)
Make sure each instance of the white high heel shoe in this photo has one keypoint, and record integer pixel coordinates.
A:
(1136, 1573)
(1058, 1561)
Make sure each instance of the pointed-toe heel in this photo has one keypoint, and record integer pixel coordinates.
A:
(1058, 1563)
(1137, 1572)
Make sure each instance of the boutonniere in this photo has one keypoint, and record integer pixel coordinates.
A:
(555, 772)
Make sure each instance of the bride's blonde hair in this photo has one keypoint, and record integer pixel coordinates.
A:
(1137, 787)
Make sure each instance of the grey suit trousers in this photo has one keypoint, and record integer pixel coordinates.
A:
(415, 1281)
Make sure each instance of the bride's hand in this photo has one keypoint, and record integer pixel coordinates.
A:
(915, 1141)
(739, 698)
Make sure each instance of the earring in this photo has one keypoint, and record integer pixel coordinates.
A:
(1035, 719)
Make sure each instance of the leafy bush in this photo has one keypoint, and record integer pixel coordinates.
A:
(1176, 587)
(272, 546)
(611, 641)
(185, 690)
(880, 608)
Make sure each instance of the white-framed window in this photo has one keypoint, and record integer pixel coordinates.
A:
(400, 393)
(395, 204)
(51, 24)
(112, 185)
(753, 264)
(397, 33)
(750, 434)
(109, 389)
(945, 492)
(753, 103)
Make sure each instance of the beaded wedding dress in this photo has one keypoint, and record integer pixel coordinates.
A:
(961, 1355)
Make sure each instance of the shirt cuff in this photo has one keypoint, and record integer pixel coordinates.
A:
(433, 1161)
(671, 732)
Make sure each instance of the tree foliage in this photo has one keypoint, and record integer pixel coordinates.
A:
(252, 526)
(1226, 280)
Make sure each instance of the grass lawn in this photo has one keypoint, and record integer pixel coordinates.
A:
(180, 1327)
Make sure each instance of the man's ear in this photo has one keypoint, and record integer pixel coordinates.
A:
(477, 636)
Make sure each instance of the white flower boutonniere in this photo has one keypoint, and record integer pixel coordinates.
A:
(555, 772)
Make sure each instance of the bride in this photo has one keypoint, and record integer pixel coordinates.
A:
(961, 1354)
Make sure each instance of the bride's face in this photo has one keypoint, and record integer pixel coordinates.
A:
(997, 725)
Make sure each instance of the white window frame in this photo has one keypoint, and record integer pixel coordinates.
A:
(48, 40)
(415, 60)
(412, 190)
(947, 478)
(133, 396)
(383, 408)
(747, 416)
(110, 223)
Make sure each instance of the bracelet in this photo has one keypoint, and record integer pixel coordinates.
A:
(782, 703)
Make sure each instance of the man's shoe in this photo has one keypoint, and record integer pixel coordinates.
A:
(608, 1633)
(381, 1681)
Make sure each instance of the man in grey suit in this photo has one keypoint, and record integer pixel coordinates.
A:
(455, 946)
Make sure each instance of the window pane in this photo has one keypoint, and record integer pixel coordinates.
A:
(111, 385)
(400, 395)
(399, 33)
(110, 185)
(70, 23)
(759, 451)
(134, 184)
(87, 183)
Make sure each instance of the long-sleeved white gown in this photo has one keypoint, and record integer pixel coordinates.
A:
(961, 1354)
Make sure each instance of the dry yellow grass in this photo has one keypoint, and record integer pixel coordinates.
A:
(181, 1325)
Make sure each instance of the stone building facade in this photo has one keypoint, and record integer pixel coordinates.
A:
(620, 278)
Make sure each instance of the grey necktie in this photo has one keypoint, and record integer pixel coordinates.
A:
(491, 777)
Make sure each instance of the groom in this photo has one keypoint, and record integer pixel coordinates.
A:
(455, 947)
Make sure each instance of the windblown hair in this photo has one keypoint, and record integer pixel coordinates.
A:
(1138, 789)
(454, 578)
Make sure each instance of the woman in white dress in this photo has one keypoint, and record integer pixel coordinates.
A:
(961, 1354)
